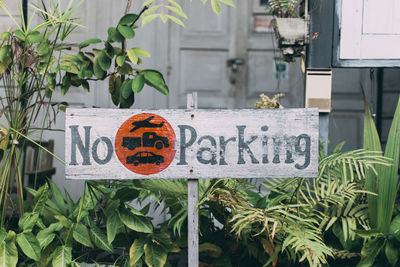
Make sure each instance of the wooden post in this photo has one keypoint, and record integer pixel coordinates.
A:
(193, 197)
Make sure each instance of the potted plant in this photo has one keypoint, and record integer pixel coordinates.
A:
(290, 26)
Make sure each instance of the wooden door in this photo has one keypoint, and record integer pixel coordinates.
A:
(369, 32)
(229, 59)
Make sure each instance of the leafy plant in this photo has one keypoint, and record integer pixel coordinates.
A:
(292, 220)
(284, 8)
(383, 237)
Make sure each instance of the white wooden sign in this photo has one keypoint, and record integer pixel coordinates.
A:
(148, 144)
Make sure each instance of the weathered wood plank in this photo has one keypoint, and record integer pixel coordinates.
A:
(208, 143)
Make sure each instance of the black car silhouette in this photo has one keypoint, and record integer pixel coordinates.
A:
(149, 139)
(144, 157)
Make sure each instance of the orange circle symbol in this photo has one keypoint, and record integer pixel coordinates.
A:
(145, 144)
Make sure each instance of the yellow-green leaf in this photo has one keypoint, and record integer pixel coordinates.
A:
(136, 251)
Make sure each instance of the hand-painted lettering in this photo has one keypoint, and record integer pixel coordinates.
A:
(76, 142)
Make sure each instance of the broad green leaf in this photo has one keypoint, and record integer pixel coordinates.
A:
(45, 238)
(141, 52)
(127, 103)
(4, 51)
(67, 223)
(81, 235)
(85, 86)
(104, 61)
(136, 251)
(125, 69)
(372, 143)
(126, 31)
(8, 251)
(99, 238)
(216, 6)
(43, 49)
(69, 66)
(19, 34)
(388, 182)
(126, 89)
(368, 233)
(155, 255)
(395, 227)
(97, 70)
(62, 256)
(135, 222)
(34, 37)
(114, 35)
(72, 58)
(113, 223)
(5, 36)
(138, 83)
(114, 85)
(370, 250)
(40, 199)
(28, 220)
(120, 60)
(89, 42)
(133, 57)
(392, 253)
(156, 80)
(29, 245)
(128, 19)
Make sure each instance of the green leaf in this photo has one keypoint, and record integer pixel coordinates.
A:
(29, 245)
(368, 233)
(89, 42)
(135, 222)
(98, 71)
(126, 103)
(4, 36)
(104, 61)
(372, 143)
(388, 179)
(40, 199)
(67, 223)
(120, 60)
(34, 37)
(19, 34)
(28, 220)
(81, 235)
(392, 253)
(216, 6)
(126, 31)
(113, 224)
(8, 251)
(132, 55)
(155, 255)
(136, 251)
(155, 79)
(3, 234)
(370, 250)
(114, 85)
(395, 227)
(125, 69)
(85, 86)
(149, 18)
(114, 35)
(45, 237)
(128, 19)
(62, 256)
(43, 49)
(126, 89)
(99, 238)
(4, 51)
(138, 83)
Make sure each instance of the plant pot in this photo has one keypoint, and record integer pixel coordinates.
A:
(291, 35)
